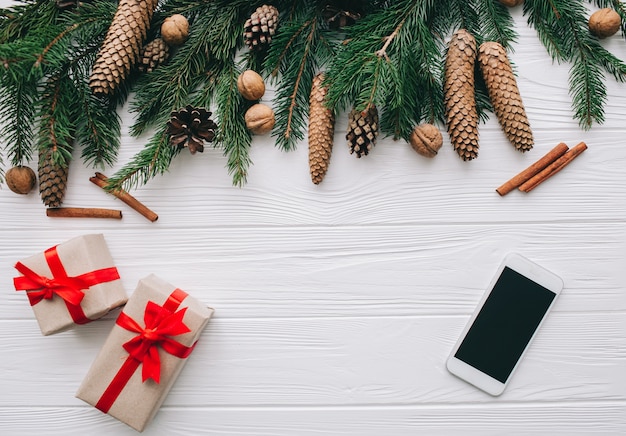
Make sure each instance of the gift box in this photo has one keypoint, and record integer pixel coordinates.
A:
(71, 283)
(144, 353)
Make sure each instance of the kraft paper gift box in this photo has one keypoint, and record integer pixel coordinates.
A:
(71, 283)
(144, 353)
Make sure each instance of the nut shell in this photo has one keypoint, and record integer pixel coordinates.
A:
(604, 23)
(21, 179)
(251, 85)
(175, 29)
(260, 119)
(426, 139)
(511, 3)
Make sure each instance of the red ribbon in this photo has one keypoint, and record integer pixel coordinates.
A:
(160, 322)
(70, 289)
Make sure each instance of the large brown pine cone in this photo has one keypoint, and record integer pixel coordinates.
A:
(459, 94)
(504, 95)
(321, 130)
(122, 45)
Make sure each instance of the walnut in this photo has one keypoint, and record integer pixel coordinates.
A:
(604, 23)
(251, 85)
(426, 139)
(511, 3)
(260, 119)
(20, 179)
(175, 29)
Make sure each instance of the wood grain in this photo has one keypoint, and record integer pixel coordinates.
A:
(337, 305)
(332, 361)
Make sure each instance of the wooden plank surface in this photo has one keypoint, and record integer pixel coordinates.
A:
(337, 305)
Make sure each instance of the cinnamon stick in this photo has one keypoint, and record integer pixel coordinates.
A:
(553, 168)
(102, 181)
(533, 169)
(83, 212)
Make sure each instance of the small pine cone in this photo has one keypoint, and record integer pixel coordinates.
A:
(190, 127)
(260, 27)
(52, 180)
(459, 100)
(321, 130)
(154, 53)
(122, 45)
(362, 130)
(504, 95)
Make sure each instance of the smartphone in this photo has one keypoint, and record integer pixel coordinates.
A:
(504, 323)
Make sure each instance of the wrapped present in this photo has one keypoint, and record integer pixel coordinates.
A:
(71, 283)
(144, 353)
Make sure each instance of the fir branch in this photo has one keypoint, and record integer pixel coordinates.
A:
(154, 159)
(587, 89)
(497, 23)
(19, 94)
(562, 27)
(189, 75)
(98, 130)
(233, 135)
(454, 14)
(56, 40)
(429, 73)
(298, 49)
(355, 70)
(212, 41)
(57, 114)
(30, 16)
(49, 52)
(97, 124)
(18, 111)
(390, 59)
(545, 19)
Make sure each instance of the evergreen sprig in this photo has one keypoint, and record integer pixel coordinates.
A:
(233, 135)
(300, 47)
(497, 24)
(56, 121)
(45, 73)
(154, 159)
(392, 57)
(190, 77)
(562, 28)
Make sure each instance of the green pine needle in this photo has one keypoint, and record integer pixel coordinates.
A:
(392, 57)
(297, 51)
(233, 135)
(562, 28)
(153, 160)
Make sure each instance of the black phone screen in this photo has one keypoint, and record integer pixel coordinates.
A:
(505, 324)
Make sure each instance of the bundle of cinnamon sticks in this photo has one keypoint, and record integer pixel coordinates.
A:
(93, 212)
(540, 171)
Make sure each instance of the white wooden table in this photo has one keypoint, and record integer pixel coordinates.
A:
(337, 305)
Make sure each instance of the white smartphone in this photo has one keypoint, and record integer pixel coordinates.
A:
(504, 323)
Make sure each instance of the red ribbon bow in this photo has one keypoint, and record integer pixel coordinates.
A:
(70, 289)
(160, 324)
(42, 288)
